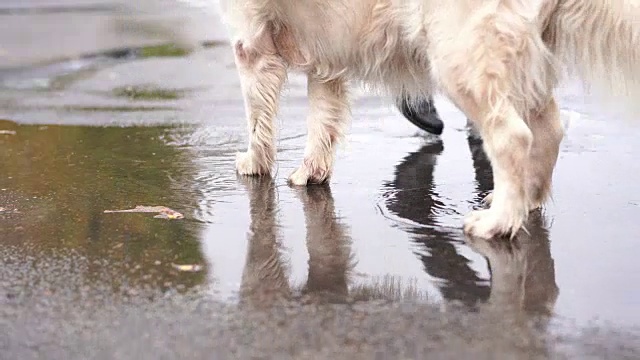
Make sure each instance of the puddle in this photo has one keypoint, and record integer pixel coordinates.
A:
(387, 228)
(58, 181)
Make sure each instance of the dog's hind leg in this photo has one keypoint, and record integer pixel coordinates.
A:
(548, 132)
(507, 142)
(263, 73)
(510, 77)
(328, 116)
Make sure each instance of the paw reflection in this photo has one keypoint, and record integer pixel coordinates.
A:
(522, 270)
(265, 278)
(328, 243)
(266, 274)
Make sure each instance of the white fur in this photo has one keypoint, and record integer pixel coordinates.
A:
(497, 60)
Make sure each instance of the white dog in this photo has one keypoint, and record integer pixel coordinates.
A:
(498, 61)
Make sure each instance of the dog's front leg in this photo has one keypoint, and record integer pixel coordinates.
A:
(508, 79)
(507, 141)
(329, 113)
(263, 72)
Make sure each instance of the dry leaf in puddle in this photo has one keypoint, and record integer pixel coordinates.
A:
(163, 212)
(187, 268)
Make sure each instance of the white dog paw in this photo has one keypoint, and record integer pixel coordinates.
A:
(248, 164)
(489, 223)
(309, 173)
(488, 200)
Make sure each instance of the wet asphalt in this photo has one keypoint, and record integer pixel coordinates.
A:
(372, 266)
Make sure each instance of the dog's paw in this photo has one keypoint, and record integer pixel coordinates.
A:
(537, 205)
(489, 223)
(309, 173)
(248, 164)
(488, 200)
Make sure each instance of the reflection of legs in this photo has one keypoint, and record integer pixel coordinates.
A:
(264, 278)
(262, 75)
(328, 243)
(522, 270)
(481, 165)
(329, 111)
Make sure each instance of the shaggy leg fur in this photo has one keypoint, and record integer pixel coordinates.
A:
(547, 130)
(329, 111)
(262, 75)
(507, 142)
(508, 79)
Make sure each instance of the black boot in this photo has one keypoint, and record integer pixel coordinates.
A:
(424, 115)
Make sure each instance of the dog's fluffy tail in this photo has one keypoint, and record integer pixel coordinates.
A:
(599, 41)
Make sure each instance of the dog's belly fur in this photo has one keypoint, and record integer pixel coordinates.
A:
(392, 47)
(360, 40)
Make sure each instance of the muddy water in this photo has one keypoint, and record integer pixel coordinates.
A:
(115, 133)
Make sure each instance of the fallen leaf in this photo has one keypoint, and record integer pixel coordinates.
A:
(163, 212)
(2, 209)
(7, 132)
(187, 268)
